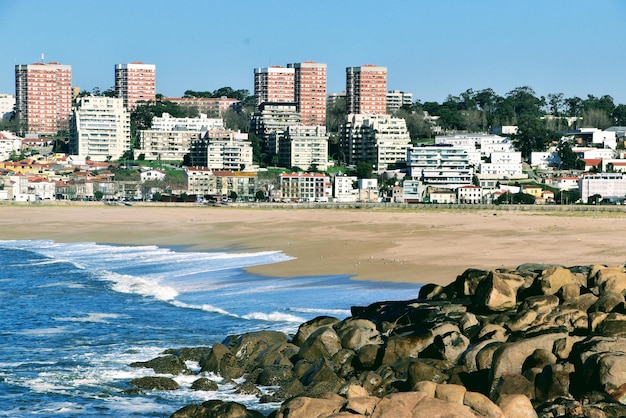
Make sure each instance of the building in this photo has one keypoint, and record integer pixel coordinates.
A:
(218, 183)
(310, 91)
(274, 84)
(9, 145)
(7, 105)
(396, 99)
(442, 166)
(222, 150)
(611, 187)
(504, 164)
(304, 147)
(366, 90)
(470, 194)
(164, 145)
(305, 187)
(135, 82)
(271, 120)
(380, 140)
(212, 106)
(100, 128)
(43, 97)
(166, 122)
(346, 189)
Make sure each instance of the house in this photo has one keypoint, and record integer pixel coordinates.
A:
(470, 194)
(153, 174)
(532, 190)
(442, 196)
(592, 163)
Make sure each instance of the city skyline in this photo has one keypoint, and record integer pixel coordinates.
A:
(431, 50)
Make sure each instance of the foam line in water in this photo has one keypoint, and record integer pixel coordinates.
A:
(273, 317)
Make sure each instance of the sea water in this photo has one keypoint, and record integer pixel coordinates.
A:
(74, 316)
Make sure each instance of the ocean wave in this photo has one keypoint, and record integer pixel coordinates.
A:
(273, 317)
(125, 283)
(91, 317)
(338, 312)
(204, 307)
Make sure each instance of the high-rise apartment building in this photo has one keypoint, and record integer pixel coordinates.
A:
(366, 90)
(274, 84)
(310, 91)
(43, 97)
(135, 82)
(100, 128)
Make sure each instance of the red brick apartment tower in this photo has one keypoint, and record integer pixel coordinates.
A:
(135, 82)
(43, 97)
(310, 91)
(273, 84)
(366, 90)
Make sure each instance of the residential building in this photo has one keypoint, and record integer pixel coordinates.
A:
(503, 130)
(9, 145)
(135, 82)
(609, 186)
(486, 144)
(380, 140)
(594, 153)
(442, 166)
(220, 183)
(165, 145)
(395, 99)
(166, 122)
(222, 150)
(345, 189)
(441, 196)
(7, 105)
(366, 90)
(304, 147)
(274, 84)
(100, 128)
(212, 106)
(504, 164)
(273, 118)
(368, 190)
(310, 91)
(333, 98)
(43, 97)
(592, 137)
(565, 182)
(470, 194)
(305, 187)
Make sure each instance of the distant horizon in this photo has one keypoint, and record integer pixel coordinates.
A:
(432, 50)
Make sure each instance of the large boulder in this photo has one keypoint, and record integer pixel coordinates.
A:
(554, 278)
(307, 328)
(355, 333)
(516, 406)
(216, 409)
(494, 294)
(305, 407)
(223, 362)
(248, 346)
(169, 364)
(322, 343)
(406, 346)
(155, 383)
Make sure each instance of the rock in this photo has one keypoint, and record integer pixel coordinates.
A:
(305, 407)
(223, 362)
(155, 383)
(608, 302)
(247, 388)
(204, 384)
(553, 278)
(516, 406)
(398, 405)
(216, 409)
(420, 371)
(355, 333)
(319, 371)
(513, 384)
(190, 353)
(307, 328)
(369, 357)
(450, 393)
(613, 325)
(469, 356)
(169, 364)
(493, 332)
(275, 376)
(539, 358)
(247, 347)
(494, 294)
(406, 346)
(430, 291)
(610, 279)
(289, 390)
(569, 291)
(363, 405)
(467, 283)
(448, 347)
(553, 382)
(322, 343)
(483, 406)
(611, 370)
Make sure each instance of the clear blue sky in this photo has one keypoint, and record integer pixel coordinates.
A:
(431, 48)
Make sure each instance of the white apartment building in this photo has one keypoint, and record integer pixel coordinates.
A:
(470, 194)
(305, 187)
(592, 137)
(442, 166)
(202, 123)
(304, 147)
(396, 99)
(504, 164)
(222, 150)
(610, 186)
(590, 153)
(345, 190)
(380, 140)
(165, 145)
(220, 183)
(274, 118)
(484, 143)
(7, 105)
(9, 144)
(100, 128)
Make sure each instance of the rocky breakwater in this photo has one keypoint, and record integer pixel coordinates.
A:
(538, 340)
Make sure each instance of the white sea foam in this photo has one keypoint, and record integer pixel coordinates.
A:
(204, 307)
(273, 317)
(125, 283)
(338, 312)
(69, 285)
(91, 317)
(43, 332)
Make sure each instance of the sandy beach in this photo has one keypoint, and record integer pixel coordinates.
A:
(405, 245)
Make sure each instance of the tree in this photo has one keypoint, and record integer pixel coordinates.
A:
(335, 114)
(157, 197)
(233, 196)
(98, 195)
(532, 136)
(363, 170)
(259, 196)
(569, 159)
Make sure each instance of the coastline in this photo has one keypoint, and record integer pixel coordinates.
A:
(419, 246)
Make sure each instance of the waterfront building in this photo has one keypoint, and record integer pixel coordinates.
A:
(220, 183)
(164, 145)
(135, 82)
(346, 189)
(305, 187)
(310, 91)
(274, 84)
(9, 144)
(610, 187)
(271, 120)
(304, 147)
(166, 122)
(100, 128)
(222, 150)
(503, 164)
(442, 166)
(366, 90)
(43, 97)
(380, 140)
(395, 99)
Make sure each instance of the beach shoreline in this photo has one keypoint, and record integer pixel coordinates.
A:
(419, 246)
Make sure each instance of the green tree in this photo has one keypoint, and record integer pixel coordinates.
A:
(157, 197)
(98, 195)
(335, 115)
(569, 159)
(259, 196)
(363, 170)
(233, 196)
(532, 135)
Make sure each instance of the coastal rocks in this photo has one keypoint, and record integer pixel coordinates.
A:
(204, 384)
(155, 383)
(216, 409)
(169, 364)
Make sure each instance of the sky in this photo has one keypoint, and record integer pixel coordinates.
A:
(432, 49)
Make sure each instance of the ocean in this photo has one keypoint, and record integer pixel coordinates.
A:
(74, 316)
